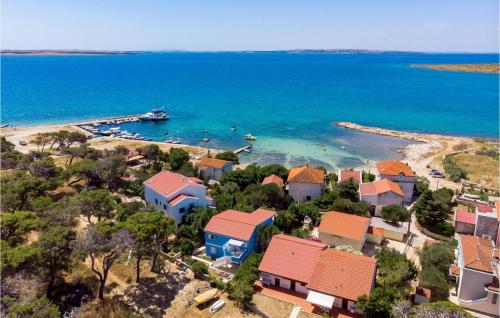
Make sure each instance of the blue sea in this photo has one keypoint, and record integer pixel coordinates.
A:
(289, 101)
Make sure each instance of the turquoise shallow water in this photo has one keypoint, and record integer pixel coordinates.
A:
(289, 101)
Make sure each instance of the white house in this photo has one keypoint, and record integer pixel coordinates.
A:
(214, 168)
(175, 194)
(381, 193)
(400, 173)
(476, 272)
(305, 183)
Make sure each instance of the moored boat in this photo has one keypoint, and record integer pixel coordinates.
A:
(216, 306)
(250, 137)
(155, 115)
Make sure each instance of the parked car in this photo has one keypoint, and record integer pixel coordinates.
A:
(437, 174)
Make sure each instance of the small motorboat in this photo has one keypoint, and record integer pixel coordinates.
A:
(176, 142)
(165, 133)
(233, 128)
(205, 140)
(169, 141)
(216, 306)
(250, 137)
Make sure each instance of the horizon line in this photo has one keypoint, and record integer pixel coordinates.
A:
(326, 50)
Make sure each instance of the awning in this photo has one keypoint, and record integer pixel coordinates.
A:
(320, 299)
(235, 242)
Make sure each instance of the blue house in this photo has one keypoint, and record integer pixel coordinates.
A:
(233, 233)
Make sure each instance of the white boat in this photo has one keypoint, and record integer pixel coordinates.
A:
(205, 140)
(169, 141)
(96, 124)
(155, 114)
(134, 119)
(176, 142)
(250, 137)
(114, 129)
(233, 128)
(216, 306)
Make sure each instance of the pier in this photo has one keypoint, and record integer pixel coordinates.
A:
(237, 151)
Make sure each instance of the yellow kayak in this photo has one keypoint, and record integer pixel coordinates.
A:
(206, 296)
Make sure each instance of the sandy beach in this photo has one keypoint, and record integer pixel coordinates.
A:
(18, 134)
(425, 150)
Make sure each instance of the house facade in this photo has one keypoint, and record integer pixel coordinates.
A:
(305, 183)
(338, 229)
(233, 234)
(465, 222)
(175, 194)
(327, 278)
(400, 173)
(214, 168)
(381, 193)
(476, 272)
(487, 222)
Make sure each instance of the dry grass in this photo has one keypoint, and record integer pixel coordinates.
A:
(272, 307)
(480, 169)
(108, 308)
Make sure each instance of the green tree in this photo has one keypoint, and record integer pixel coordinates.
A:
(430, 211)
(177, 157)
(379, 303)
(348, 189)
(286, 222)
(421, 184)
(395, 213)
(347, 206)
(56, 247)
(300, 233)
(16, 189)
(197, 219)
(445, 309)
(229, 156)
(199, 268)
(97, 204)
(110, 170)
(276, 169)
(241, 287)
(264, 235)
(224, 202)
(395, 270)
(243, 177)
(30, 307)
(301, 210)
(439, 255)
(18, 258)
(85, 169)
(106, 243)
(326, 200)
(367, 176)
(126, 209)
(149, 230)
(433, 278)
(443, 195)
(151, 153)
(16, 225)
(275, 197)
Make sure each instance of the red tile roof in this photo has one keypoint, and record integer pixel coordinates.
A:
(378, 231)
(394, 168)
(236, 224)
(478, 253)
(484, 208)
(347, 174)
(213, 162)
(291, 257)
(465, 217)
(179, 198)
(273, 179)
(344, 225)
(422, 291)
(343, 274)
(166, 182)
(306, 174)
(380, 186)
(455, 270)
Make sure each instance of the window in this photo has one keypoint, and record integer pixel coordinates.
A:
(182, 210)
(156, 201)
(308, 198)
(164, 206)
(495, 298)
(211, 236)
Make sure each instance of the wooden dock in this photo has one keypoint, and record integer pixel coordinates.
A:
(239, 150)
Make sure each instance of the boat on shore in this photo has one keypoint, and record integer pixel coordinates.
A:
(216, 306)
(155, 115)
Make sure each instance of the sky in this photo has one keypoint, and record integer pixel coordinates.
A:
(232, 25)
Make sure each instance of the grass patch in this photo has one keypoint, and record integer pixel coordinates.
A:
(480, 169)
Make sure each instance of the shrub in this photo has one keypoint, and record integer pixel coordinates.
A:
(395, 213)
(455, 172)
(229, 156)
(199, 268)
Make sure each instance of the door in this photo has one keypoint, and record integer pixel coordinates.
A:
(277, 281)
(344, 303)
(292, 285)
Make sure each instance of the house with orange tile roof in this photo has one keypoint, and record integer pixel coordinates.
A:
(337, 228)
(465, 222)
(381, 193)
(347, 174)
(213, 168)
(477, 279)
(274, 179)
(327, 278)
(400, 173)
(175, 194)
(305, 183)
(232, 234)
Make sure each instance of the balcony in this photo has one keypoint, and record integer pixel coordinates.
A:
(235, 249)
